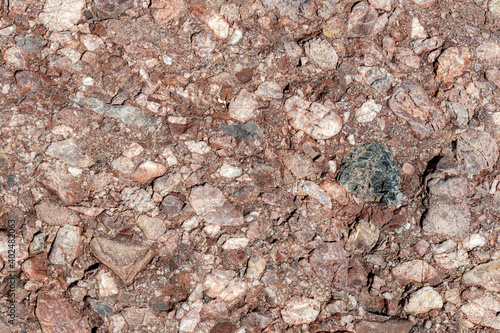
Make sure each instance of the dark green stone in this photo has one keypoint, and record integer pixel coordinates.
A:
(370, 171)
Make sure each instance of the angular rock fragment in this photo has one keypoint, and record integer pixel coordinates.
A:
(364, 21)
(489, 52)
(476, 151)
(152, 227)
(483, 311)
(28, 81)
(33, 268)
(68, 151)
(269, 90)
(299, 165)
(165, 11)
(211, 18)
(147, 171)
(370, 171)
(423, 3)
(243, 107)
(246, 131)
(59, 15)
(315, 191)
(337, 192)
(209, 203)
(424, 300)
(411, 103)
(389, 326)
(58, 181)
(111, 8)
(55, 214)
(446, 220)
(67, 245)
(300, 310)
(363, 238)
(452, 63)
(368, 111)
(315, 119)
(137, 199)
(485, 275)
(56, 314)
(127, 114)
(322, 53)
(124, 258)
(416, 270)
(328, 260)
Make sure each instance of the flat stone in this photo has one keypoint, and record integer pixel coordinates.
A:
(483, 311)
(310, 188)
(112, 9)
(364, 21)
(447, 220)
(476, 151)
(368, 111)
(363, 238)
(236, 243)
(452, 188)
(315, 119)
(299, 165)
(423, 301)
(67, 245)
(389, 326)
(56, 314)
(126, 114)
(211, 18)
(124, 258)
(300, 310)
(336, 191)
(33, 268)
(152, 227)
(242, 108)
(485, 275)
(322, 53)
(147, 171)
(172, 206)
(246, 131)
(452, 63)
(489, 52)
(70, 153)
(416, 270)
(224, 327)
(164, 11)
(57, 180)
(327, 259)
(29, 81)
(268, 91)
(370, 171)
(423, 3)
(59, 15)
(54, 214)
(411, 103)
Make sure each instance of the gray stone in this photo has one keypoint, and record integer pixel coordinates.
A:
(37, 244)
(247, 131)
(126, 114)
(370, 171)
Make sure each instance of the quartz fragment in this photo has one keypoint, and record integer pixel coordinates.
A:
(68, 151)
(315, 119)
(424, 300)
(322, 53)
(59, 15)
(211, 18)
(243, 107)
(67, 245)
(300, 310)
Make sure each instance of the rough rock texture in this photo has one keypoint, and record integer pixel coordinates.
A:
(370, 171)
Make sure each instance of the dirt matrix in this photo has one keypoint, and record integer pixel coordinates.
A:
(229, 166)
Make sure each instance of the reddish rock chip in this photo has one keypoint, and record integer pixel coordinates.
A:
(411, 103)
(57, 180)
(56, 315)
(28, 81)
